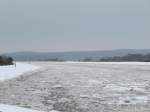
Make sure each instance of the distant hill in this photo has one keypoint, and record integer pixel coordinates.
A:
(73, 56)
(128, 58)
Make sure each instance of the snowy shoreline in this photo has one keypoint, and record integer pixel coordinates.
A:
(12, 71)
(8, 108)
(116, 63)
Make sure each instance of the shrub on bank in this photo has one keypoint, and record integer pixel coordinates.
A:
(6, 60)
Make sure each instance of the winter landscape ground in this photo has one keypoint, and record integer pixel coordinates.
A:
(80, 87)
(11, 71)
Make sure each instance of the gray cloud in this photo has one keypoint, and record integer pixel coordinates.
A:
(62, 25)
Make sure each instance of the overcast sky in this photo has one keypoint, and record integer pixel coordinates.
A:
(72, 25)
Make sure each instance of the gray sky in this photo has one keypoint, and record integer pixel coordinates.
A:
(72, 25)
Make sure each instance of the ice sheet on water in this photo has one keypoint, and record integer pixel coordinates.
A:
(116, 88)
(124, 88)
(125, 94)
(133, 100)
(93, 82)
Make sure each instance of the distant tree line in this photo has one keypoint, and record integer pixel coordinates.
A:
(4, 60)
(128, 57)
(52, 59)
(87, 60)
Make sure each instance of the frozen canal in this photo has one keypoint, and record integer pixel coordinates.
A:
(81, 87)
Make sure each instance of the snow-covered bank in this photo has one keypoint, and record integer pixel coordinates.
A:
(8, 108)
(8, 72)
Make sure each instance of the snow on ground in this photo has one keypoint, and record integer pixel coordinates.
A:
(8, 108)
(11, 71)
